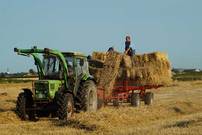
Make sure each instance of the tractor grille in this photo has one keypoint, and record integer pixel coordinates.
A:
(41, 90)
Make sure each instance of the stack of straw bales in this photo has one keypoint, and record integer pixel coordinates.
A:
(146, 69)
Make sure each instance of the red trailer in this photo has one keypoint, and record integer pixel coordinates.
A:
(126, 92)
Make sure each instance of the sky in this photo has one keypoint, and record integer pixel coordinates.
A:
(171, 26)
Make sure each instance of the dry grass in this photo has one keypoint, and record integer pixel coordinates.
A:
(176, 110)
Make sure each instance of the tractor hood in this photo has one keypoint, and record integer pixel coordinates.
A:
(46, 89)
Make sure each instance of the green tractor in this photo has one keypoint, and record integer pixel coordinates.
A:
(64, 85)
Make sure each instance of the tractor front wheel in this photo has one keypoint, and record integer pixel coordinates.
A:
(24, 103)
(65, 106)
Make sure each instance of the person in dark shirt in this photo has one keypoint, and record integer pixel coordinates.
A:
(127, 43)
(128, 49)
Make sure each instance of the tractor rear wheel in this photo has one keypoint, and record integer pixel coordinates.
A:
(149, 96)
(135, 100)
(87, 97)
(65, 106)
(25, 102)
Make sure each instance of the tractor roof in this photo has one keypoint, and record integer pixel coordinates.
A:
(74, 54)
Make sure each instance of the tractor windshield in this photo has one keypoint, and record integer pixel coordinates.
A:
(51, 67)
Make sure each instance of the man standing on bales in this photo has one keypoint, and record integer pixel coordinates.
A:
(128, 49)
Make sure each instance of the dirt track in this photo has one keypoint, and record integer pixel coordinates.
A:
(176, 110)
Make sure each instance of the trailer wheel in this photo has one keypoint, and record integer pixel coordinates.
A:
(149, 96)
(100, 103)
(135, 100)
(116, 102)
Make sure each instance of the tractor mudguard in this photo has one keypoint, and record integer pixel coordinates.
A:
(27, 91)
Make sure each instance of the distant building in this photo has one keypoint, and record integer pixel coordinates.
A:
(181, 70)
(197, 70)
(178, 70)
(192, 70)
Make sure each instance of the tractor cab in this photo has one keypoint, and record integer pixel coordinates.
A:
(77, 65)
(53, 78)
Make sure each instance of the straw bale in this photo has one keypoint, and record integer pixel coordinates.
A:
(110, 71)
(99, 56)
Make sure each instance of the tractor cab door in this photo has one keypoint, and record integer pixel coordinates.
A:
(71, 72)
(81, 67)
(70, 66)
(80, 71)
(76, 70)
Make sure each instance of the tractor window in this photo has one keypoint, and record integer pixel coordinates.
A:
(79, 66)
(70, 65)
(51, 67)
(85, 66)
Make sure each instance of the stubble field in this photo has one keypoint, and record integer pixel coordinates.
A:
(176, 110)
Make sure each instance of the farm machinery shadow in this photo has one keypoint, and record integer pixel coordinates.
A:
(73, 123)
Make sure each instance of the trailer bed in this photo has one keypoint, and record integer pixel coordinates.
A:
(127, 92)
